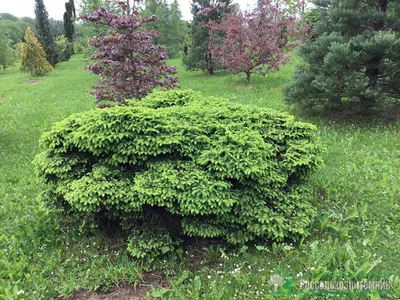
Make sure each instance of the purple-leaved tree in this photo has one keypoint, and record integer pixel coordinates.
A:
(129, 65)
(256, 41)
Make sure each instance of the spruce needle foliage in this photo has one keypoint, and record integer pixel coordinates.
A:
(354, 56)
(44, 33)
(177, 164)
(33, 57)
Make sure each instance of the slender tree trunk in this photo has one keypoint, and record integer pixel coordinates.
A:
(128, 7)
(210, 67)
(383, 5)
(248, 77)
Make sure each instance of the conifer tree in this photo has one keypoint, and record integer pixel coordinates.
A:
(69, 28)
(69, 16)
(33, 57)
(169, 24)
(199, 56)
(354, 56)
(44, 34)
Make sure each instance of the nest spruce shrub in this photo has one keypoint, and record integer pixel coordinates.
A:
(177, 164)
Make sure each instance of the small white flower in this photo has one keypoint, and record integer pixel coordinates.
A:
(20, 292)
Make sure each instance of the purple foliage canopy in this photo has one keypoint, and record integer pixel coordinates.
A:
(257, 41)
(129, 65)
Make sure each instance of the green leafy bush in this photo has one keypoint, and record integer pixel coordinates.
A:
(178, 164)
(64, 47)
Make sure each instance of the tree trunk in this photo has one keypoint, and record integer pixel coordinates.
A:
(372, 72)
(383, 5)
(248, 77)
(210, 67)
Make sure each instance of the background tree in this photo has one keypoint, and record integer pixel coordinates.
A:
(44, 34)
(14, 28)
(64, 48)
(169, 24)
(30, 21)
(69, 16)
(294, 6)
(8, 16)
(7, 53)
(88, 30)
(129, 64)
(254, 42)
(354, 57)
(199, 55)
(56, 27)
(69, 29)
(33, 56)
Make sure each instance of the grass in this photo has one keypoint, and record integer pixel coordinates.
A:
(260, 92)
(357, 198)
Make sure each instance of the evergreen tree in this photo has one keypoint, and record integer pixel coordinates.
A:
(56, 27)
(33, 56)
(353, 57)
(169, 24)
(199, 55)
(69, 16)
(69, 29)
(44, 34)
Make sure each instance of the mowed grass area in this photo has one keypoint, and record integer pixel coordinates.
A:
(357, 195)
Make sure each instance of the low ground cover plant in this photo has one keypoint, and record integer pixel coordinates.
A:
(178, 164)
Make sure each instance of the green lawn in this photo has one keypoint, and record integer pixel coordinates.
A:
(357, 197)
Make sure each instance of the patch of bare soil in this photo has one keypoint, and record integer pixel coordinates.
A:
(35, 81)
(127, 292)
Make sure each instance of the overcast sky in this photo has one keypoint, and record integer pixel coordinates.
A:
(25, 8)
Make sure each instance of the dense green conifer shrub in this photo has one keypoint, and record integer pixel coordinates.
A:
(178, 164)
